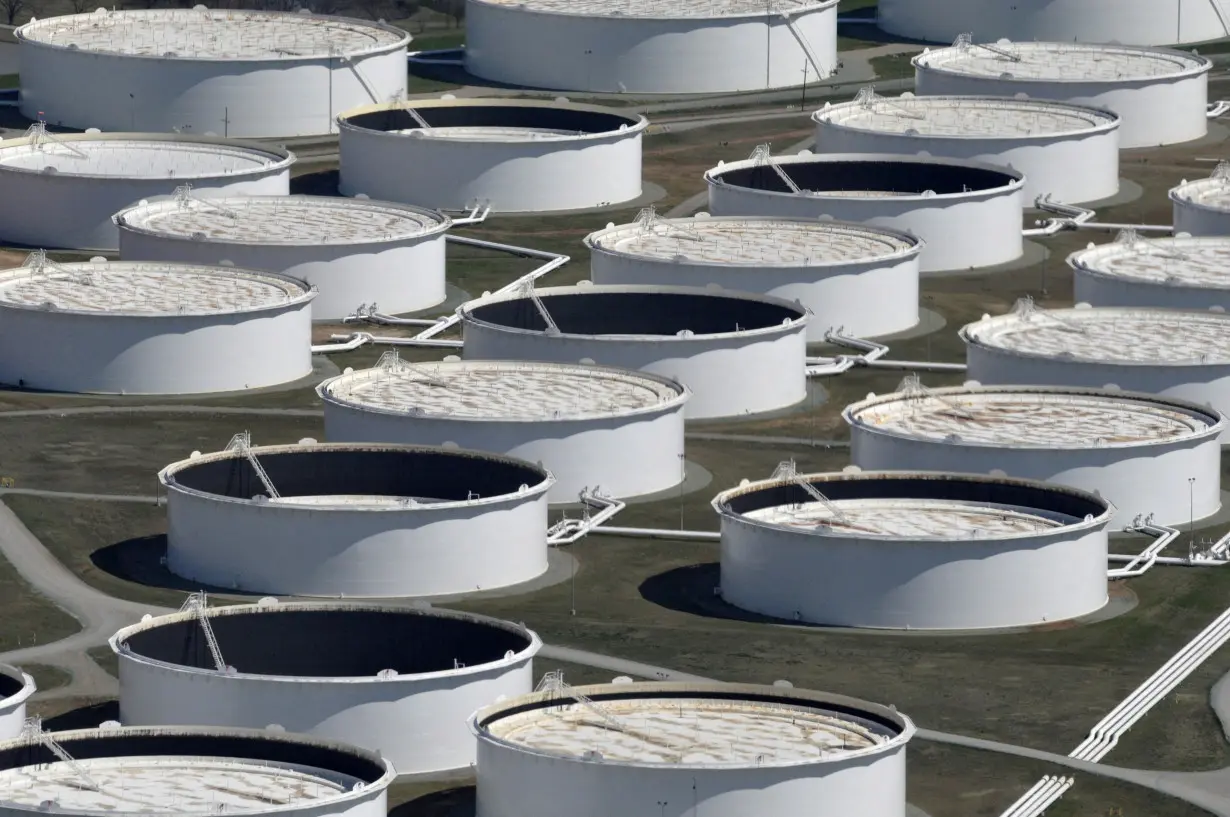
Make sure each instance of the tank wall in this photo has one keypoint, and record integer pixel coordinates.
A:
(83, 206)
(868, 299)
(1140, 481)
(12, 717)
(1204, 385)
(624, 456)
(141, 355)
(975, 231)
(769, 369)
(404, 276)
(680, 56)
(1131, 22)
(528, 176)
(1198, 221)
(79, 89)
(297, 551)
(1097, 290)
(1076, 168)
(418, 724)
(1151, 113)
(512, 783)
(917, 585)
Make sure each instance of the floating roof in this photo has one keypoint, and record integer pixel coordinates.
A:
(213, 34)
(511, 391)
(173, 158)
(1063, 62)
(664, 8)
(145, 288)
(965, 117)
(1180, 262)
(282, 220)
(753, 241)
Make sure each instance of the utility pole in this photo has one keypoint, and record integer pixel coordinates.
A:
(803, 99)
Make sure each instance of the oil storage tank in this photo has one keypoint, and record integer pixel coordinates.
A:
(861, 279)
(84, 178)
(1173, 352)
(1133, 271)
(1068, 152)
(16, 687)
(1202, 207)
(516, 155)
(651, 46)
(331, 670)
(705, 338)
(121, 327)
(353, 251)
(127, 771)
(1146, 454)
(1161, 95)
(723, 750)
(913, 550)
(353, 519)
(249, 74)
(968, 213)
(591, 426)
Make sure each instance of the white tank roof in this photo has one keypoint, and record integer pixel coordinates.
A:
(1154, 337)
(1063, 62)
(162, 785)
(967, 117)
(906, 518)
(753, 241)
(145, 156)
(671, 731)
(1212, 193)
(1025, 417)
(1185, 261)
(213, 34)
(663, 8)
(146, 288)
(282, 220)
(480, 390)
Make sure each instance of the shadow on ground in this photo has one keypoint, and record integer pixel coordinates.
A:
(458, 802)
(141, 561)
(84, 717)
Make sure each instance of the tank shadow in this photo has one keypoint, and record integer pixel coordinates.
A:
(140, 561)
(320, 183)
(456, 802)
(690, 589)
(84, 717)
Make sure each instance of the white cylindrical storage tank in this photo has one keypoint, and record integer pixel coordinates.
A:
(969, 213)
(861, 279)
(61, 190)
(16, 687)
(1146, 454)
(651, 46)
(1139, 22)
(516, 155)
(1172, 352)
(913, 550)
(1161, 95)
(236, 73)
(395, 680)
(123, 327)
(590, 426)
(722, 750)
(707, 339)
(130, 771)
(352, 519)
(1175, 273)
(355, 252)
(1202, 207)
(1069, 153)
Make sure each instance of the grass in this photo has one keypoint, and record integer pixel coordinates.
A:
(10, 81)
(27, 618)
(893, 66)
(47, 677)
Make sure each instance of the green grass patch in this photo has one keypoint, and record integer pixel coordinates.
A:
(10, 81)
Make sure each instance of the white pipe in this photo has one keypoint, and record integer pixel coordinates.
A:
(392, 341)
(1163, 537)
(566, 531)
(1218, 108)
(913, 365)
(478, 214)
(661, 533)
(350, 342)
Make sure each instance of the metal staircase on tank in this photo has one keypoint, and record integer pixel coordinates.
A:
(965, 41)
(787, 471)
(32, 729)
(40, 137)
(196, 604)
(762, 157)
(242, 442)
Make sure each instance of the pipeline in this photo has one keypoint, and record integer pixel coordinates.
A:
(871, 357)
(1073, 217)
(1163, 537)
(1218, 108)
(349, 343)
(359, 338)
(660, 533)
(566, 531)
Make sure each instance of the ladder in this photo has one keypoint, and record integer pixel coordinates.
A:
(183, 198)
(821, 73)
(868, 98)
(39, 136)
(196, 604)
(1027, 310)
(966, 40)
(32, 729)
(242, 442)
(912, 389)
(788, 472)
(761, 157)
(648, 222)
(527, 289)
